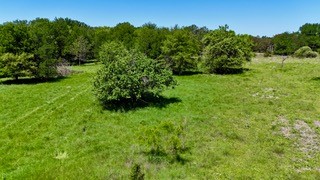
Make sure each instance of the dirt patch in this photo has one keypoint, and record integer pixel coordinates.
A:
(317, 124)
(308, 140)
(305, 139)
(286, 132)
(301, 170)
(285, 129)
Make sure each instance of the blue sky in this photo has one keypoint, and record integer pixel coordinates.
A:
(255, 17)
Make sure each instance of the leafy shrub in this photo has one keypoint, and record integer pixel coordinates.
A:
(165, 141)
(225, 51)
(305, 52)
(128, 75)
(16, 66)
(311, 54)
(181, 51)
(286, 43)
(47, 69)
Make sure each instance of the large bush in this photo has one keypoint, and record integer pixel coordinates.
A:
(305, 52)
(225, 51)
(128, 75)
(286, 43)
(16, 66)
(47, 69)
(181, 51)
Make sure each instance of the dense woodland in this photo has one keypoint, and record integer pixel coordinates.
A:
(32, 48)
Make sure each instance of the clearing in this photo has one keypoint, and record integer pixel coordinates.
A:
(263, 123)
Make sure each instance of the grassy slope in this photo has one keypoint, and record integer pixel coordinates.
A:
(57, 129)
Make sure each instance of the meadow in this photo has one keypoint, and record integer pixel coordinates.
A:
(261, 124)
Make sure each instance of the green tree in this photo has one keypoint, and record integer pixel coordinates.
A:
(43, 39)
(80, 49)
(123, 32)
(15, 38)
(225, 51)
(310, 29)
(101, 36)
(45, 48)
(148, 40)
(128, 75)
(16, 66)
(199, 32)
(181, 51)
(262, 44)
(286, 43)
(310, 33)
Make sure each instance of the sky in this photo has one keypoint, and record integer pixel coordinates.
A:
(254, 17)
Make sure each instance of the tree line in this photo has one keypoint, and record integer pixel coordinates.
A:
(288, 43)
(34, 48)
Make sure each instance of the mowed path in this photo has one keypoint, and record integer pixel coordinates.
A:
(28, 116)
(40, 102)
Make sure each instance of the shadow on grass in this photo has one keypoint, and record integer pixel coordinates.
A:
(316, 79)
(30, 81)
(159, 157)
(230, 71)
(148, 101)
(188, 73)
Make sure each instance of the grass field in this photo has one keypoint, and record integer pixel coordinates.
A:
(262, 124)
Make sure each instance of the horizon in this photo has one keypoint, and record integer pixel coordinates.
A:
(257, 18)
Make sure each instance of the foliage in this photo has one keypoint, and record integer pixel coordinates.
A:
(310, 33)
(112, 52)
(149, 38)
(101, 35)
(128, 75)
(165, 141)
(225, 51)
(305, 52)
(15, 38)
(16, 65)
(47, 69)
(181, 51)
(262, 44)
(312, 54)
(123, 32)
(197, 31)
(246, 44)
(310, 29)
(80, 49)
(286, 43)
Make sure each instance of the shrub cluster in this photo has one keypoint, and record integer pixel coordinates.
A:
(26, 65)
(225, 51)
(128, 75)
(17, 65)
(305, 52)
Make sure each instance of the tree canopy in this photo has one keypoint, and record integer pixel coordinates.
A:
(180, 48)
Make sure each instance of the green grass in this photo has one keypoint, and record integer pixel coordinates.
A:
(57, 130)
